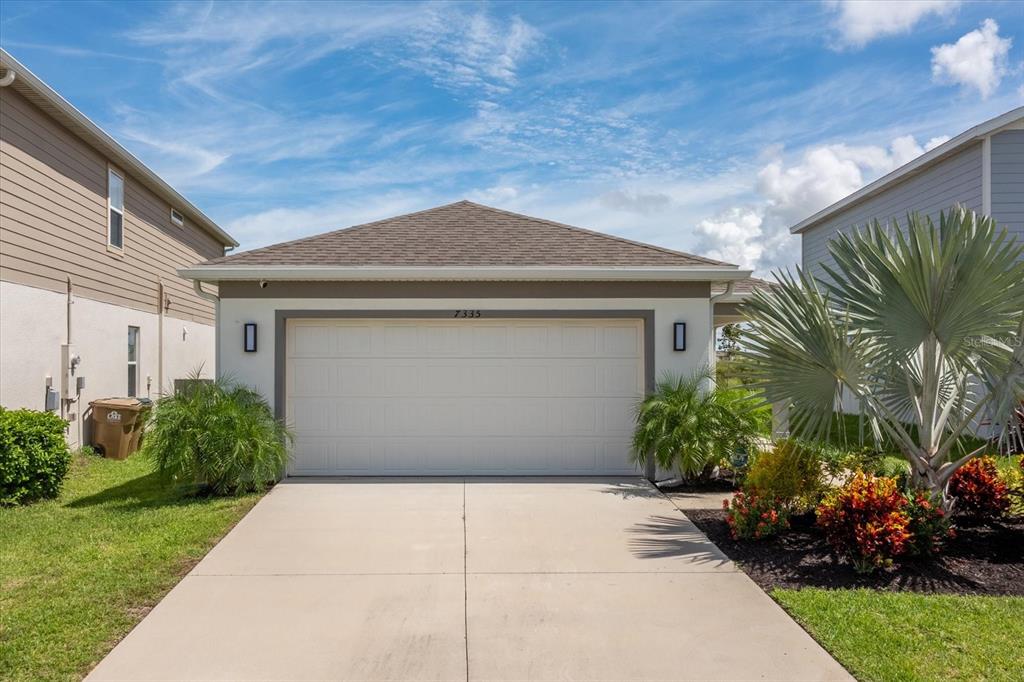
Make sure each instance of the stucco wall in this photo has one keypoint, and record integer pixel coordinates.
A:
(257, 369)
(33, 325)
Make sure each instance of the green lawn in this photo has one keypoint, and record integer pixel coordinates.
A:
(77, 573)
(905, 636)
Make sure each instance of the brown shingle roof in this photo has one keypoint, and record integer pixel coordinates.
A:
(464, 234)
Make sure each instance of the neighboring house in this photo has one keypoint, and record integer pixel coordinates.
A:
(90, 241)
(981, 169)
(464, 340)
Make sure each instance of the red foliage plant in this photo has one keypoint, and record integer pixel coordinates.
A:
(929, 525)
(752, 517)
(866, 522)
(978, 491)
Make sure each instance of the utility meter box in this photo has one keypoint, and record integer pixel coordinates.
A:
(68, 362)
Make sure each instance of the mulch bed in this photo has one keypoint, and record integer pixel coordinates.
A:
(715, 485)
(984, 560)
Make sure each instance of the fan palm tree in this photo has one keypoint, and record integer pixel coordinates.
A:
(922, 326)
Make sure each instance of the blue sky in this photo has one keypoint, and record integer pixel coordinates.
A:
(705, 127)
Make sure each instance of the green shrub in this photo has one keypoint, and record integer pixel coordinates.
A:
(929, 525)
(866, 522)
(1011, 471)
(888, 466)
(34, 456)
(790, 472)
(218, 434)
(751, 517)
(690, 427)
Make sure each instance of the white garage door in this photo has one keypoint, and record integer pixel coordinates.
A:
(474, 397)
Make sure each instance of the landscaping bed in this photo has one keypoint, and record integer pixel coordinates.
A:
(979, 560)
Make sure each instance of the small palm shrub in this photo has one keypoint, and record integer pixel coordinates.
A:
(752, 517)
(866, 522)
(689, 425)
(790, 472)
(929, 525)
(978, 491)
(218, 434)
(34, 456)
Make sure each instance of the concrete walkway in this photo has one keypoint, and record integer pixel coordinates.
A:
(466, 579)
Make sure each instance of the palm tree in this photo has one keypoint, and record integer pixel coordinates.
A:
(923, 327)
(689, 425)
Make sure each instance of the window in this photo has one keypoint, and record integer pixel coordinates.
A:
(115, 203)
(177, 218)
(133, 361)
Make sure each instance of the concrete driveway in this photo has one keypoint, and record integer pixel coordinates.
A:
(466, 579)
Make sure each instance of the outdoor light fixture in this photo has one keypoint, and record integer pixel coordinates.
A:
(679, 336)
(249, 338)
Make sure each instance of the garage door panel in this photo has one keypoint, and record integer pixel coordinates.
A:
(441, 397)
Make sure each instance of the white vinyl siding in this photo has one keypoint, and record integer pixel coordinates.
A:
(463, 397)
(1008, 181)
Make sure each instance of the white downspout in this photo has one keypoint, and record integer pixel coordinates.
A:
(213, 298)
(160, 336)
(712, 356)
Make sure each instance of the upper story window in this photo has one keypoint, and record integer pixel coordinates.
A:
(115, 205)
(177, 218)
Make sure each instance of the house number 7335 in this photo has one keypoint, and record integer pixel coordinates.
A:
(467, 313)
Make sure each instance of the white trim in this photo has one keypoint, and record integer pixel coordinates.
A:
(108, 144)
(111, 170)
(986, 175)
(213, 273)
(1005, 121)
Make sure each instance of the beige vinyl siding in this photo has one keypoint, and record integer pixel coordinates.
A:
(53, 221)
(955, 180)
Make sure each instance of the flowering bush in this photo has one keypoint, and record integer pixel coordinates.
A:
(752, 517)
(979, 492)
(929, 525)
(866, 522)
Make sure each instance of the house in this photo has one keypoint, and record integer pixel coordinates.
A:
(464, 340)
(981, 169)
(90, 242)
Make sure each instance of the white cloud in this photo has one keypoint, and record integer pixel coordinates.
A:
(757, 236)
(977, 61)
(734, 236)
(861, 21)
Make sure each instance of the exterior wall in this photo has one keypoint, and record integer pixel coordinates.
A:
(33, 325)
(1008, 181)
(257, 369)
(956, 180)
(53, 221)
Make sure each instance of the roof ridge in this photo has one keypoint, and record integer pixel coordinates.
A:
(612, 237)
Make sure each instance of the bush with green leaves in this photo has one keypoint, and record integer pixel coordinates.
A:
(791, 472)
(689, 425)
(218, 434)
(34, 456)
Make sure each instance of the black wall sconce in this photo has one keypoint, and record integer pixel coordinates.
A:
(249, 337)
(679, 336)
